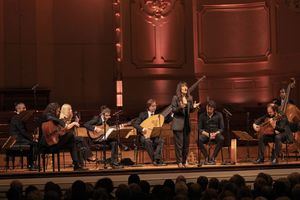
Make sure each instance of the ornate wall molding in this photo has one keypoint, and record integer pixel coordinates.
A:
(157, 34)
(233, 32)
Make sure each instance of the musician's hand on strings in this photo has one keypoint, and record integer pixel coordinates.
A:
(71, 125)
(256, 127)
(196, 105)
(273, 123)
(97, 130)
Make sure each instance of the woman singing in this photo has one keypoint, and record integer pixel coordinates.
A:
(182, 106)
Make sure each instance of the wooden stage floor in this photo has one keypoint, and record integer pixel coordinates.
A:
(153, 174)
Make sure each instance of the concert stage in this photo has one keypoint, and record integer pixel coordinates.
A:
(153, 174)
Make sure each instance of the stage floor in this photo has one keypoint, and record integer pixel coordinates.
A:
(153, 174)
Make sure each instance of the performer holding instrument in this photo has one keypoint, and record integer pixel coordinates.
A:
(154, 145)
(211, 127)
(182, 106)
(273, 127)
(84, 151)
(55, 133)
(98, 126)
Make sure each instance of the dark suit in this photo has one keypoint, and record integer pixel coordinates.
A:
(279, 101)
(285, 134)
(210, 125)
(97, 121)
(181, 128)
(18, 128)
(153, 146)
(66, 141)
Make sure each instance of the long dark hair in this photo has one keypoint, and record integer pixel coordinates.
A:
(52, 108)
(178, 91)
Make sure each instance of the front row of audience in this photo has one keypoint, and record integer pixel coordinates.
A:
(264, 187)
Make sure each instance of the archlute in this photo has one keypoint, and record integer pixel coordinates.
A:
(158, 120)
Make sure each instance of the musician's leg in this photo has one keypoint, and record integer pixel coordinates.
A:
(114, 152)
(186, 143)
(261, 148)
(67, 141)
(203, 140)
(159, 143)
(219, 141)
(147, 143)
(278, 143)
(178, 142)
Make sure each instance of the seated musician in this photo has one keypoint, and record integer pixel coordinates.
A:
(66, 140)
(67, 115)
(275, 129)
(211, 127)
(18, 128)
(153, 146)
(94, 125)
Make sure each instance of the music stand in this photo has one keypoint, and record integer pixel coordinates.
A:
(244, 136)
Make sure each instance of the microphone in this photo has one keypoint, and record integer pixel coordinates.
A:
(35, 86)
(117, 113)
(227, 112)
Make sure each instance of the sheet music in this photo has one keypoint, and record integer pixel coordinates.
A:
(109, 131)
(107, 134)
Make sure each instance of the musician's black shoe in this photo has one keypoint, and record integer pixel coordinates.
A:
(259, 161)
(274, 161)
(212, 161)
(116, 165)
(159, 163)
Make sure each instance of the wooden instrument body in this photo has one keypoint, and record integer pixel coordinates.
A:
(151, 122)
(95, 135)
(293, 113)
(266, 128)
(104, 128)
(52, 132)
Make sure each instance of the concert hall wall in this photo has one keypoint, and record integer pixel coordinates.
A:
(66, 46)
(247, 49)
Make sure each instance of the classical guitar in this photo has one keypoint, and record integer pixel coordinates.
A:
(94, 135)
(266, 127)
(52, 132)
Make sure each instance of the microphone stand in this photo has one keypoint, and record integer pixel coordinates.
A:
(36, 131)
(198, 151)
(119, 157)
(198, 146)
(247, 143)
(104, 147)
(229, 138)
